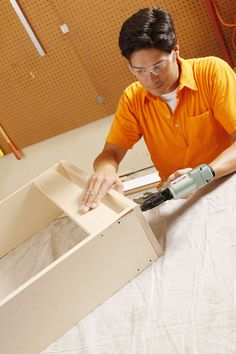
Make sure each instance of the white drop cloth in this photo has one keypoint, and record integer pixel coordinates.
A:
(184, 303)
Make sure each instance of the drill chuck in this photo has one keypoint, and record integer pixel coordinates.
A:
(157, 199)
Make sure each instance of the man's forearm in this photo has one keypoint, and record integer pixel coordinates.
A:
(225, 163)
(106, 160)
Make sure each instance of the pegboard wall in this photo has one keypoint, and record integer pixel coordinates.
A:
(45, 96)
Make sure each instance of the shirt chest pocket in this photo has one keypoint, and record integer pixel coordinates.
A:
(201, 129)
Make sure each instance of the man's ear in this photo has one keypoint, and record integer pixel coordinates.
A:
(176, 50)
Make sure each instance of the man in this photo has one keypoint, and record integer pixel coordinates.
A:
(184, 109)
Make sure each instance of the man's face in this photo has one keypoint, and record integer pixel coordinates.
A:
(156, 70)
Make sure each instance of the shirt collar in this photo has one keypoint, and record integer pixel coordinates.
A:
(186, 75)
(186, 79)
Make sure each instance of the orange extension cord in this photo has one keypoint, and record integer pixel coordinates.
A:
(226, 24)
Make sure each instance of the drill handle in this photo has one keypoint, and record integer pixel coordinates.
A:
(191, 181)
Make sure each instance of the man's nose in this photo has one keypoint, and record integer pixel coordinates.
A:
(152, 76)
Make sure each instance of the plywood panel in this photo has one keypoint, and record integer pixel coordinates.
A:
(67, 195)
(61, 295)
(22, 215)
(42, 97)
(65, 291)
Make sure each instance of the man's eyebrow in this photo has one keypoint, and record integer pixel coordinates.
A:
(140, 67)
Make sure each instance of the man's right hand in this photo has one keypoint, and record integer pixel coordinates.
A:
(97, 186)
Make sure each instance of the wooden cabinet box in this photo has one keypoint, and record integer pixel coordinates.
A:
(118, 244)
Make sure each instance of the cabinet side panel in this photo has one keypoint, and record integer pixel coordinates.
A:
(63, 294)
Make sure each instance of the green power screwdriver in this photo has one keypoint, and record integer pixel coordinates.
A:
(183, 185)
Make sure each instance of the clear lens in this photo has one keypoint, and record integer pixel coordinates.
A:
(155, 69)
(159, 67)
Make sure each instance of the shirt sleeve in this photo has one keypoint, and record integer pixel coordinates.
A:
(224, 95)
(125, 130)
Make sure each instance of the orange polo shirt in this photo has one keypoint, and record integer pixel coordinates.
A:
(196, 132)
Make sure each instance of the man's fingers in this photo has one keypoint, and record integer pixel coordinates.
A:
(118, 186)
(186, 196)
(104, 188)
(88, 188)
(108, 183)
(178, 173)
(97, 187)
(91, 191)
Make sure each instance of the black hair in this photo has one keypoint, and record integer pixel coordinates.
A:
(148, 28)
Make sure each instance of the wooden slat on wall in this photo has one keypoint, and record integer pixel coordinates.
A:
(45, 96)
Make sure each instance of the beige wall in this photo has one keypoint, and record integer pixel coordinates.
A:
(79, 146)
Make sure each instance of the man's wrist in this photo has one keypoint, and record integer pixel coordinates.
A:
(212, 170)
(105, 167)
